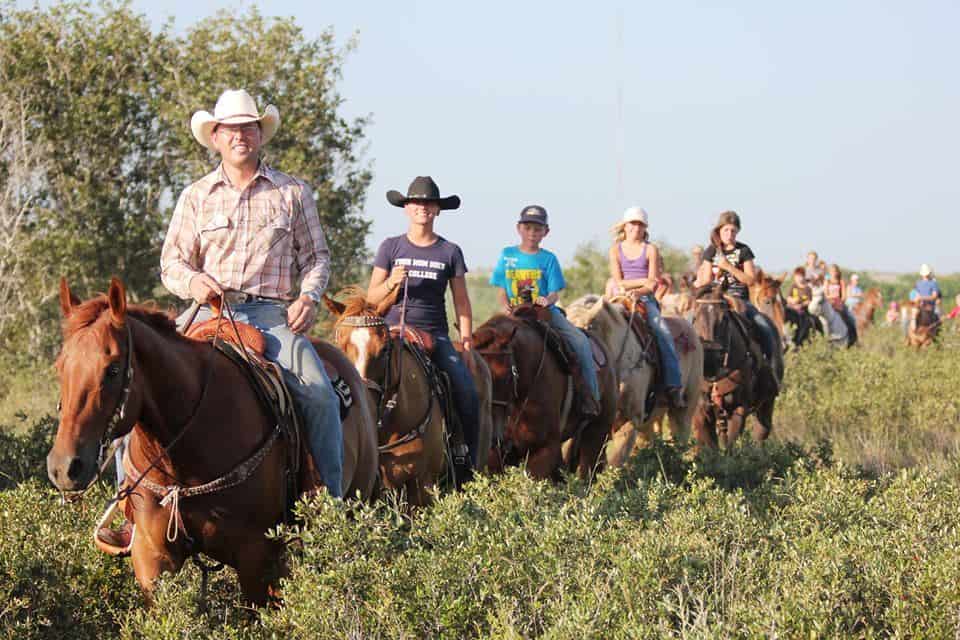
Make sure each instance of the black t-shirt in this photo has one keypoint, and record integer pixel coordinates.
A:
(736, 256)
(429, 269)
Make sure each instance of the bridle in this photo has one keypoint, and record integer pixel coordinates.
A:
(389, 391)
(514, 406)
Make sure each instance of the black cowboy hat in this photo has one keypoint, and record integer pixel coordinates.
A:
(423, 188)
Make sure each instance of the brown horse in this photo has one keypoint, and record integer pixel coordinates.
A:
(864, 310)
(534, 416)
(412, 434)
(923, 328)
(767, 298)
(734, 384)
(194, 419)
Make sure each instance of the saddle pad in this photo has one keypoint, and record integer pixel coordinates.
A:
(249, 335)
(416, 336)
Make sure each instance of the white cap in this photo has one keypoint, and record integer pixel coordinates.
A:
(635, 214)
(925, 270)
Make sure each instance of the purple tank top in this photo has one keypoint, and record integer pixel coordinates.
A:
(636, 268)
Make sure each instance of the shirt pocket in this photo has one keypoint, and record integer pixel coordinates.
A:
(216, 232)
(274, 231)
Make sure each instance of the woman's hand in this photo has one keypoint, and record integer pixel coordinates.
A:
(397, 274)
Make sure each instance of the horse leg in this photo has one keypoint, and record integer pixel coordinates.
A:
(621, 443)
(149, 560)
(591, 448)
(259, 568)
(545, 461)
(735, 426)
(764, 422)
(704, 429)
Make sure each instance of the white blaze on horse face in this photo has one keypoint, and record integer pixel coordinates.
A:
(360, 338)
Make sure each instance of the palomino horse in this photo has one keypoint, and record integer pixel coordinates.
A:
(195, 422)
(924, 328)
(766, 297)
(412, 431)
(835, 328)
(610, 322)
(864, 310)
(533, 400)
(736, 383)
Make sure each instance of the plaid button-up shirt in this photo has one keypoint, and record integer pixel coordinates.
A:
(259, 241)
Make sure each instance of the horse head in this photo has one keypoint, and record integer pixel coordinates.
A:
(97, 398)
(360, 330)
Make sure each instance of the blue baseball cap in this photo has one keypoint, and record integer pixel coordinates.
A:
(533, 213)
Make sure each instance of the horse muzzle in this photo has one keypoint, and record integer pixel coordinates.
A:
(73, 472)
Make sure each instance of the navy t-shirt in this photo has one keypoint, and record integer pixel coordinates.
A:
(429, 269)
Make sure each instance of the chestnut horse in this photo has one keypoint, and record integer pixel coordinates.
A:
(864, 310)
(412, 438)
(637, 416)
(193, 419)
(534, 417)
(767, 298)
(923, 328)
(733, 387)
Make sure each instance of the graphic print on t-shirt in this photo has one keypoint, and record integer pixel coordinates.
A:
(416, 268)
(517, 271)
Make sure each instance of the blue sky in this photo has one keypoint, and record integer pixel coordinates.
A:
(826, 125)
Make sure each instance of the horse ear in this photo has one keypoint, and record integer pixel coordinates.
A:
(336, 308)
(67, 299)
(117, 297)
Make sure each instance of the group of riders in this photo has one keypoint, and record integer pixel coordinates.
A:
(251, 234)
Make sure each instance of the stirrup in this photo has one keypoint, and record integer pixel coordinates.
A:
(117, 547)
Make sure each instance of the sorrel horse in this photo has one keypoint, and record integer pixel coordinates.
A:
(639, 410)
(864, 310)
(735, 385)
(412, 431)
(924, 328)
(194, 419)
(534, 417)
(767, 298)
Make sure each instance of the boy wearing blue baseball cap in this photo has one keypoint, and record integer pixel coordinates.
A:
(526, 273)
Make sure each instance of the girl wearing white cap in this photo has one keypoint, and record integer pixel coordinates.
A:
(635, 269)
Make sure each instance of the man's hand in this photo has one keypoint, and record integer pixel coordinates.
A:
(467, 343)
(507, 309)
(203, 288)
(301, 314)
(541, 302)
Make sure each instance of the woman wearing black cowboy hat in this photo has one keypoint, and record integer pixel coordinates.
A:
(429, 263)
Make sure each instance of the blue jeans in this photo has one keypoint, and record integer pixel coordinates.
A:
(581, 345)
(465, 398)
(305, 376)
(668, 350)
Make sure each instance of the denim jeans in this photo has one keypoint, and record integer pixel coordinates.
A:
(308, 383)
(581, 345)
(446, 358)
(668, 350)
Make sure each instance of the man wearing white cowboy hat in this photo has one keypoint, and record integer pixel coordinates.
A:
(250, 233)
(254, 232)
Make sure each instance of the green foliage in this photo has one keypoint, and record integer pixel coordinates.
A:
(103, 103)
(766, 540)
(882, 405)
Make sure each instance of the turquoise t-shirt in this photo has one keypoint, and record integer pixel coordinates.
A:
(516, 270)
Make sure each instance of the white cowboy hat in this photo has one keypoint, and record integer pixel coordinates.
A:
(925, 270)
(632, 214)
(234, 107)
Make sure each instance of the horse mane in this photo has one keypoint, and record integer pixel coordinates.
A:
(88, 312)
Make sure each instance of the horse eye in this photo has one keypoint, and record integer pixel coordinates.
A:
(59, 406)
(113, 370)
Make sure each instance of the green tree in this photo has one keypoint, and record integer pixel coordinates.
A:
(105, 103)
